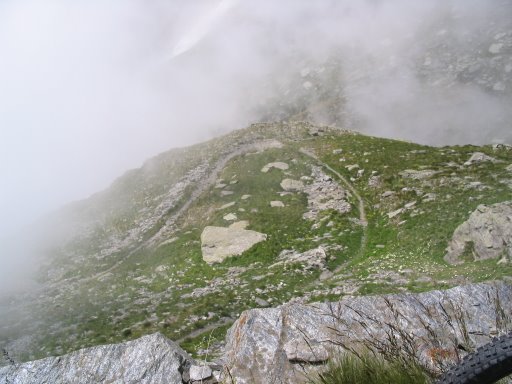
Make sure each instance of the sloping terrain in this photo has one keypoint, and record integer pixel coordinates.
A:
(341, 214)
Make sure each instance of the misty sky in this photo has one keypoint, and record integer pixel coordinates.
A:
(89, 89)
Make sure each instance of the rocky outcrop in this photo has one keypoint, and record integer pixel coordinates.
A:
(324, 194)
(486, 234)
(479, 157)
(219, 243)
(314, 258)
(150, 359)
(291, 185)
(290, 343)
(285, 344)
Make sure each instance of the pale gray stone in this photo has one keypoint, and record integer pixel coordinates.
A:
(149, 359)
(479, 157)
(324, 194)
(488, 232)
(218, 243)
(276, 204)
(230, 217)
(277, 344)
(227, 205)
(314, 258)
(417, 175)
(292, 185)
(200, 372)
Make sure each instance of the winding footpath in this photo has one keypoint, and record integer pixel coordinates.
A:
(355, 193)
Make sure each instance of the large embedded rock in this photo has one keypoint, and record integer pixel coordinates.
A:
(287, 343)
(150, 359)
(314, 258)
(486, 234)
(219, 243)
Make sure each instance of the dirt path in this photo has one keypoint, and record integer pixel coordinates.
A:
(170, 226)
(353, 190)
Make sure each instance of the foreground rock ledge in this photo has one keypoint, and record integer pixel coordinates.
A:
(287, 344)
(149, 359)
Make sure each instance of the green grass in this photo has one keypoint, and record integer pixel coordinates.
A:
(372, 369)
(150, 288)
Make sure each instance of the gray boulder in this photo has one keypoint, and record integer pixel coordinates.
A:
(287, 343)
(219, 243)
(150, 359)
(486, 234)
(479, 157)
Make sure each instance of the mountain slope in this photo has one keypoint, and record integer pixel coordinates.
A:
(343, 213)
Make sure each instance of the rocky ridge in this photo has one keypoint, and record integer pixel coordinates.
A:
(291, 343)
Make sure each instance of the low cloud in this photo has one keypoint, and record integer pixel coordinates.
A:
(93, 88)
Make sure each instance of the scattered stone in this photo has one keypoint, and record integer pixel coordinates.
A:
(230, 217)
(261, 303)
(418, 175)
(395, 213)
(428, 197)
(292, 185)
(227, 205)
(220, 186)
(374, 181)
(276, 204)
(226, 193)
(325, 275)
(233, 182)
(352, 167)
(219, 243)
(509, 168)
(387, 194)
(324, 194)
(277, 165)
(307, 85)
(487, 234)
(479, 157)
(410, 205)
(200, 372)
(337, 151)
(314, 258)
(245, 197)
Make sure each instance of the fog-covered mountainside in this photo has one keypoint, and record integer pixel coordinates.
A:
(270, 214)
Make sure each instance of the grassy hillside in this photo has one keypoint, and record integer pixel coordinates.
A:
(135, 264)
